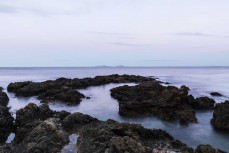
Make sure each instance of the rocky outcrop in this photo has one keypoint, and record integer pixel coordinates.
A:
(70, 97)
(6, 119)
(6, 123)
(216, 94)
(203, 103)
(114, 137)
(151, 98)
(6, 148)
(64, 90)
(221, 116)
(4, 99)
(31, 116)
(49, 136)
(76, 120)
(207, 149)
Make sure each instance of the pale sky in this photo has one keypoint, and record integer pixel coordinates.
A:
(114, 32)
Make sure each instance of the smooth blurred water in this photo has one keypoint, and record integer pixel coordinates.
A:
(200, 80)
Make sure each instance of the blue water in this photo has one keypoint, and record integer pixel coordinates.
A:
(201, 81)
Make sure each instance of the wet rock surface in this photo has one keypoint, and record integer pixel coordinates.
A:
(220, 118)
(64, 90)
(6, 118)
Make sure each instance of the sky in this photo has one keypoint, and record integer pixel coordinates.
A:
(58, 33)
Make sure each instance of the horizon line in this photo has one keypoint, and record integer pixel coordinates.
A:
(113, 66)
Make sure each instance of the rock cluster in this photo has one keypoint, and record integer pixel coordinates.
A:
(220, 118)
(166, 102)
(42, 130)
(64, 90)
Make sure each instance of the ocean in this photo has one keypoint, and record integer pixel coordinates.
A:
(201, 81)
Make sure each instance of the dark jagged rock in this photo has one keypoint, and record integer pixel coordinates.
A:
(203, 103)
(12, 87)
(151, 98)
(221, 116)
(207, 149)
(1, 89)
(6, 119)
(61, 115)
(216, 94)
(49, 136)
(64, 90)
(114, 137)
(70, 97)
(31, 116)
(6, 148)
(76, 120)
(4, 99)
(6, 123)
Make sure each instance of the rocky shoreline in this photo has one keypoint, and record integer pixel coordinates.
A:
(39, 129)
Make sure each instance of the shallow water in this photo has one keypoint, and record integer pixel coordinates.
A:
(71, 147)
(201, 81)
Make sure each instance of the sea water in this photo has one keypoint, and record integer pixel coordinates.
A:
(201, 80)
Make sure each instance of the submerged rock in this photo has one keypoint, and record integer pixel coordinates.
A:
(64, 90)
(220, 118)
(151, 98)
(216, 94)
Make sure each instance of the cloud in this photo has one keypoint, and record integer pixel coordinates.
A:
(158, 60)
(113, 33)
(43, 8)
(129, 44)
(7, 9)
(198, 34)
